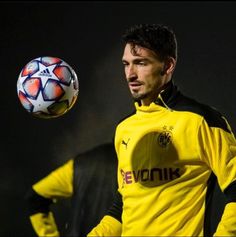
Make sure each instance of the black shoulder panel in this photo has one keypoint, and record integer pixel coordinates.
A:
(212, 116)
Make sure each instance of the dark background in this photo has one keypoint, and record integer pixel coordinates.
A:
(86, 34)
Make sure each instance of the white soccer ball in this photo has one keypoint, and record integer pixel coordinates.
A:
(47, 87)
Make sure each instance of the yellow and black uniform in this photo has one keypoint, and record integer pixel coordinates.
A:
(170, 154)
(89, 180)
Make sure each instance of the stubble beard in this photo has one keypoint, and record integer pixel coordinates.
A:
(148, 96)
(137, 96)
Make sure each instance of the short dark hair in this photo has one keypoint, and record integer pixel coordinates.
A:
(156, 37)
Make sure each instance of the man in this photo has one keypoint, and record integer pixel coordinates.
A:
(171, 152)
(89, 180)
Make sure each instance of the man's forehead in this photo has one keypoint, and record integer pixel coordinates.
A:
(138, 51)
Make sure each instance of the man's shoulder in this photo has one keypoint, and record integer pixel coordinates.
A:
(128, 116)
(212, 116)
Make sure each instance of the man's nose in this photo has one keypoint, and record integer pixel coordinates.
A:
(131, 72)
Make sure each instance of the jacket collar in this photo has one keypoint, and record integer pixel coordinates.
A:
(168, 95)
(167, 98)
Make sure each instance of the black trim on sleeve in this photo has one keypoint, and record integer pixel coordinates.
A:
(230, 192)
(116, 209)
(214, 206)
(37, 203)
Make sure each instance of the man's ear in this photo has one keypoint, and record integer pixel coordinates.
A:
(169, 66)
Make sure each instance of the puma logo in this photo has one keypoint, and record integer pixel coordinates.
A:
(125, 143)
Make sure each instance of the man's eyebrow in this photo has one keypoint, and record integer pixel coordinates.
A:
(136, 59)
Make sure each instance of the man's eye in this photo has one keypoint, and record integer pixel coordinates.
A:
(142, 63)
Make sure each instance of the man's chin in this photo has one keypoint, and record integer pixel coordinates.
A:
(138, 96)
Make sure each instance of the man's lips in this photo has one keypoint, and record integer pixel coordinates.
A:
(135, 84)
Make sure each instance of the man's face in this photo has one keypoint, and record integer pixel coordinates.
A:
(144, 73)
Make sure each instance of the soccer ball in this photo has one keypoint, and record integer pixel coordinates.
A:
(47, 87)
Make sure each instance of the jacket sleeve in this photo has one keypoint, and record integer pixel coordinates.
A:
(44, 224)
(217, 148)
(227, 225)
(110, 225)
(58, 184)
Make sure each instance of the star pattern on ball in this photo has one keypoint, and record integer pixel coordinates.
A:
(40, 105)
(72, 91)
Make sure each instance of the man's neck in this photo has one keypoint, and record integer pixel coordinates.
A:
(152, 98)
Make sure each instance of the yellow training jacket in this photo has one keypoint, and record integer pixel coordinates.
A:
(169, 153)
